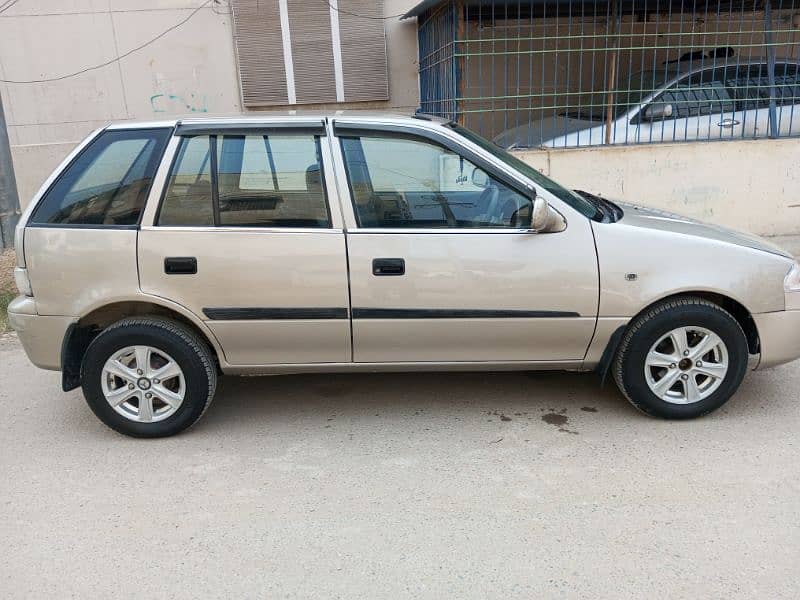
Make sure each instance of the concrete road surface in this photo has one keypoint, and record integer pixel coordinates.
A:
(508, 485)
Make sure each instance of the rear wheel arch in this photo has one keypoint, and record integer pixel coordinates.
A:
(81, 333)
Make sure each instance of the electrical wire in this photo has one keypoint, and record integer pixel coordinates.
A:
(113, 60)
(352, 14)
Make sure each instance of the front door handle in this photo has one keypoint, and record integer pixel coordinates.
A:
(388, 266)
(180, 265)
(728, 123)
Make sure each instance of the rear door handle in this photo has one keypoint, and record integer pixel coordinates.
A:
(728, 123)
(388, 266)
(180, 265)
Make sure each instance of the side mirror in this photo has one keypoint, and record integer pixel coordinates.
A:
(540, 215)
(656, 112)
(479, 178)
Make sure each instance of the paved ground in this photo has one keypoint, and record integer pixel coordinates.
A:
(510, 485)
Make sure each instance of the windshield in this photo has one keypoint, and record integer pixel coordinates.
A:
(576, 201)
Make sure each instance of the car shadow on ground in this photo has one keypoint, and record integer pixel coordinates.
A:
(549, 397)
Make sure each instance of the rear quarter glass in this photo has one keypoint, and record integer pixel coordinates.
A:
(107, 184)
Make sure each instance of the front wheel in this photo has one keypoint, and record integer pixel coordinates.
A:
(148, 377)
(681, 359)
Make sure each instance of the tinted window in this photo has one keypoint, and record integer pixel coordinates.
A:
(271, 181)
(107, 184)
(751, 87)
(400, 181)
(188, 199)
(701, 94)
(255, 180)
(787, 84)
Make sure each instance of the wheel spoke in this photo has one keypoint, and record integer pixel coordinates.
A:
(168, 371)
(171, 398)
(663, 385)
(118, 396)
(691, 391)
(659, 359)
(708, 343)
(117, 368)
(143, 359)
(145, 408)
(680, 341)
(715, 370)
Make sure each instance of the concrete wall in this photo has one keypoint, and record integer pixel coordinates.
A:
(190, 70)
(753, 185)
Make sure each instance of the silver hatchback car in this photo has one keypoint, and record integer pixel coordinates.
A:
(679, 101)
(161, 255)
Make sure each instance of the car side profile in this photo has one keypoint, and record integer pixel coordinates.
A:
(676, 102)
(162, 255)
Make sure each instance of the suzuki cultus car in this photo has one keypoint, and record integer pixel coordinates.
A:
(159, 256)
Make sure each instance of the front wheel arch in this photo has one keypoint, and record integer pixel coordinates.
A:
(739, 312)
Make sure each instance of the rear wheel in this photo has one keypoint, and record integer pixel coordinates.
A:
(681, 359)
(148, 377)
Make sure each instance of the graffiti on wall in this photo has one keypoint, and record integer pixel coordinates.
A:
(163, 102)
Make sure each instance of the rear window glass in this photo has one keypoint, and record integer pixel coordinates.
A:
(108, 183)
(255, 180)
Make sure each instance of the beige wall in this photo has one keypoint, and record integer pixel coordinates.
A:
(190, 70)
(753, 185)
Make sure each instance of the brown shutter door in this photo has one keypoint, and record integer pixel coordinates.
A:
(363, 51)
(259, 48)
(312, 51)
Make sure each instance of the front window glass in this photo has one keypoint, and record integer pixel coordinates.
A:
(701, 94)
(405, 181)
(108, 183)
(565, 195)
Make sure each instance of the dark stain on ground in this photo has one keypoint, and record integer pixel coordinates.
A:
(555, 419)
(588, 409)
(504, 418)
(559, 419)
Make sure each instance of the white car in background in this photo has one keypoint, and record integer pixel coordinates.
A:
(696, 100)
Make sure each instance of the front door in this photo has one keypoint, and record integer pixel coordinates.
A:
(244, 238)
(443, 267)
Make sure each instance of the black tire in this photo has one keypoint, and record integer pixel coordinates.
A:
(648, 328)
(183, 345)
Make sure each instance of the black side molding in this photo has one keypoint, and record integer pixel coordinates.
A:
(273, 314)
(457, 313)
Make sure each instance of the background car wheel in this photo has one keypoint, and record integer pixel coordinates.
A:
(682, 359)
(148, 377)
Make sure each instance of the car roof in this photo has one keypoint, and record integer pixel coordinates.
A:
(291, 116)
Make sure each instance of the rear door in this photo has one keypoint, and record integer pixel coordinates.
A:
(245, 238)
(443, 267)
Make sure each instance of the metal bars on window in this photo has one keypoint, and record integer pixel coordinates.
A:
(566, 73)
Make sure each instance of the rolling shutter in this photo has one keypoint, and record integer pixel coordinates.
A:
(310, 51)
